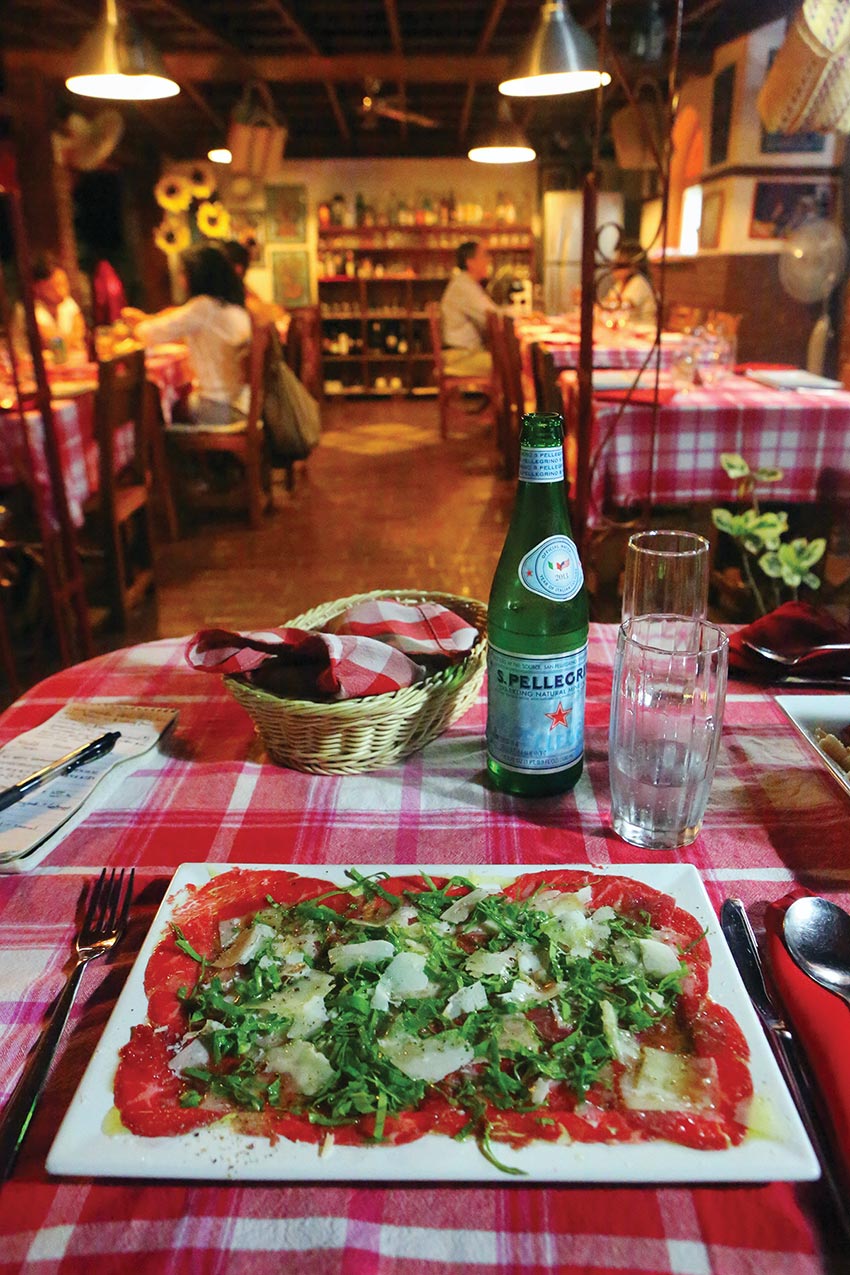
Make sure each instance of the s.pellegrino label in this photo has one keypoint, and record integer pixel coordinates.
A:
(541, 464)
(552, 569)
(535, 717)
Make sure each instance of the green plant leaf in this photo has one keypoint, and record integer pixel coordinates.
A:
(767, 475)
(811, 580)
(724, 521)
(734, 465)
(771, 565)
(810, 551)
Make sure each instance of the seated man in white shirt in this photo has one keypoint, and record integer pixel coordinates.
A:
(464, 308)
(60, 321)
(631, 291)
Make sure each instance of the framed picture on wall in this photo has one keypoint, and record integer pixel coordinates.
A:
(722, 102)
(286, 214)
(712, 219)
(249, 229)
(780, 207)
(291, 278)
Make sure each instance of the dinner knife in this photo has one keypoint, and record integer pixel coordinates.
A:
(742, 944)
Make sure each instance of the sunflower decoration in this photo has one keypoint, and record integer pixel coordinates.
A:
(202, 182)
(173, 192)
(172, 235)
(213, 220)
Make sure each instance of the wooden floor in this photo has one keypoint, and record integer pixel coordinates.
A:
(382, 503)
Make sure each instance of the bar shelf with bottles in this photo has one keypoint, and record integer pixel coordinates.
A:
(375, 282)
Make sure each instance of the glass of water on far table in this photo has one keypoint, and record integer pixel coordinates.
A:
(666, 574)
(666, 717)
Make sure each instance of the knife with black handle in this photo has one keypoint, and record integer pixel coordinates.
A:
(742, 944)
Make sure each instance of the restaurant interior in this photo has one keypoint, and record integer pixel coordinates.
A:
(321, 324)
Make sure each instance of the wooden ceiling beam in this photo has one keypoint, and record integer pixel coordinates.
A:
(494, 15)
(212, 68)
(394, 26)
(301, 33)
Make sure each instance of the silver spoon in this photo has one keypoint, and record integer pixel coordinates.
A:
(817, 934)
(788, 661)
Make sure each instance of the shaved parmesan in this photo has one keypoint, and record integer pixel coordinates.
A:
(194, 1054)
(466, 1000)
(521, 992)
(405, 975)
(623, 1044)
(308, 1070)
(431, 1059)
(493, 964)
(302, 1000)
(658, 958)
(516, 1032)
(461, 909)
(661, 1083)
(372, 952)
(245, 947)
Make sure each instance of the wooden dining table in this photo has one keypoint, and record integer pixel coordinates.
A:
(72, 394)
(776, 817)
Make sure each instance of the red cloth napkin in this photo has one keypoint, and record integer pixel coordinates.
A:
(821, 1021)
(741, 369)
(666, 394)
(791, 629)
(343, 665)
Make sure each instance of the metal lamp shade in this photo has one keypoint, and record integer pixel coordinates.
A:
(506, 143)
(116, 61)
(558, 57)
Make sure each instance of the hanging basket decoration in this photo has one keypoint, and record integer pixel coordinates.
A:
(256, 137)
(172, 236)
(201, 181)
(213, 220)
(173, 192)
(807, 88)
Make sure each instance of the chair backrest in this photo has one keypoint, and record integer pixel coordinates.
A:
(513, 364)
(546, 390)
(496, 346)
(682, 318)
(435, 328)
(255, 373)
(303, 347)
(123, 398)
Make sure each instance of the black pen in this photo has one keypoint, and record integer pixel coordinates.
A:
(86, 753)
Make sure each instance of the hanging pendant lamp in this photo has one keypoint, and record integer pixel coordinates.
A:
(116, 61)
(504, 143)
(558, 57)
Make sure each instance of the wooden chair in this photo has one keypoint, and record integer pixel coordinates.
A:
(303, 350)
(121, 508)
(243, 439)
(451, 389)
(516, 393)
(683, 318)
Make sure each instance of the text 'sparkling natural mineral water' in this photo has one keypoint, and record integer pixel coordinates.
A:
(537, 628)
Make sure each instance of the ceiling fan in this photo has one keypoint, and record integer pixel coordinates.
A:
(373, 107)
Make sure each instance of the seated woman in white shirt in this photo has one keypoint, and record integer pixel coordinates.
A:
(217, 329)
(631, 291)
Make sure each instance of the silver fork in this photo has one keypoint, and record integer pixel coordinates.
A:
(103, 924)
(788, 661)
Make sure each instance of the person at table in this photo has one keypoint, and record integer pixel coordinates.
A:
(60, 320)
(262, 312)
(216, 327)
(464, 307)
(631, 290)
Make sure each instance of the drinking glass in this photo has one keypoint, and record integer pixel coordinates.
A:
(666, 714)
(684, 366)
(666, 574)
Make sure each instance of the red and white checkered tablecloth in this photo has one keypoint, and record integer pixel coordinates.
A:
(805, 434)
(774, 817)
(169, 370)
(610, 349)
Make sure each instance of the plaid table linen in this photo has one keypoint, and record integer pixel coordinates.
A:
(775, 817)
(74, 420)
(614, 350)
(805, 434)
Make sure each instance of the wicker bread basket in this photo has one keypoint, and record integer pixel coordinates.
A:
(347, 736)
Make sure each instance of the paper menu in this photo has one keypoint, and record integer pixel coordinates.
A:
(38, 815)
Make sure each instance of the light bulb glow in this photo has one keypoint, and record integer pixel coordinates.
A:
(558, 83)
(502, 154)
(123, 88)
(220, 155)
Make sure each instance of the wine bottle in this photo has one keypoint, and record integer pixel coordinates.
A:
(537, 627)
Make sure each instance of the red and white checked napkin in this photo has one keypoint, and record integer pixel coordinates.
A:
(362, 658)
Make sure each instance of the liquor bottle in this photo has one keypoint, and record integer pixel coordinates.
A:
(537, 628)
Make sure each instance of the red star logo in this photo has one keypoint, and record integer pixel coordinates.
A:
(559, 717)
(528, 573)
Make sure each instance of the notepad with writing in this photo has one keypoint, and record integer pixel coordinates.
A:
(27, 825)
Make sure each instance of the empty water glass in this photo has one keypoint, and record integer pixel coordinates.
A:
(666, 715)
(666, 574)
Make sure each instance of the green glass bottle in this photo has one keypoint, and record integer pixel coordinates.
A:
(537, 629)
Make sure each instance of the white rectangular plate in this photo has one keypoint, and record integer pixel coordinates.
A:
(780, 1151)
(830, 712)
(792, 379)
